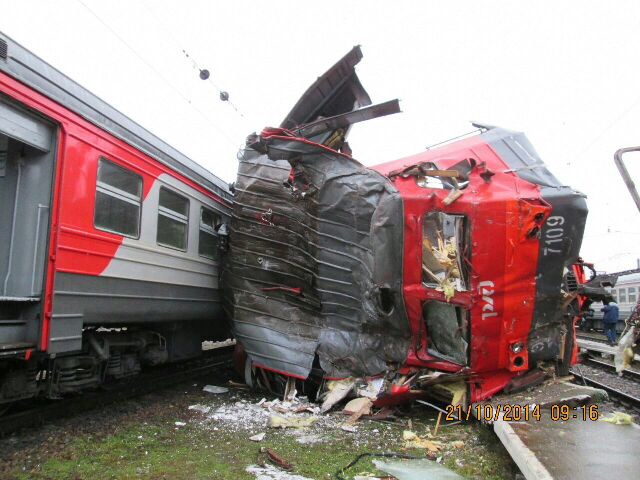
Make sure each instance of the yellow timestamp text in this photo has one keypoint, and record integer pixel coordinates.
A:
(488, 412)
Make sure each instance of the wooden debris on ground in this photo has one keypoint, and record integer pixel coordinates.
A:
(277, 459)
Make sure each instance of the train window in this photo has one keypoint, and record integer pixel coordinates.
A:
(622, 295)
(444, 240)
(173, 220)
(208, 239)
(447, 331)
(632, 298)
(118, 200)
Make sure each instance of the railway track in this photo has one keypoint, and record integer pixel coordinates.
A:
(624, 390)
(630, 374)
(593, 336)
(157, 379)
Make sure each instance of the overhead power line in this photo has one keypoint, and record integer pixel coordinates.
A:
(203, 72)
(158, 73)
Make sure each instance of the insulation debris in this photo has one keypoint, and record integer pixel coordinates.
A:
(414, 441)
(215, 389)
(349, 428)
(357, 408)
(199, 408)
(452, 196)
(619, 418)
(441, 262)
(269, 472)
(456, 390)
(360, 406)
(623, 356)
(372, 388)
(277, 421)
(336, 391)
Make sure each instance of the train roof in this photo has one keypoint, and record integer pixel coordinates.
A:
(19, 63)
(627, 279)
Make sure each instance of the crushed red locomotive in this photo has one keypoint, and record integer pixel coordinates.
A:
(456, 265)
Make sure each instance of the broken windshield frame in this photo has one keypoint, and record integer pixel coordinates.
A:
(445, 253)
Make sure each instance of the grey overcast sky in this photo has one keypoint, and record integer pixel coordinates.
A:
(566, 73)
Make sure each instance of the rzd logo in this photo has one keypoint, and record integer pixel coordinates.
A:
(486, 290)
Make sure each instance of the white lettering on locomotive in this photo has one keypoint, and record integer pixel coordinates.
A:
(486, 290)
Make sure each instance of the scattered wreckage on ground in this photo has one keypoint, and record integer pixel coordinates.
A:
(453, 273)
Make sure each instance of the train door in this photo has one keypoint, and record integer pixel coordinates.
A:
(27, 152)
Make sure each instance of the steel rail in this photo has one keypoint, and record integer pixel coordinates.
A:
(630, 374)
(614, 393)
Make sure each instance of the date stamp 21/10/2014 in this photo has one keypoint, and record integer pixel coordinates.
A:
(487, 412)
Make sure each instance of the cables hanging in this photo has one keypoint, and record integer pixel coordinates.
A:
(203, 73)
(158, 74)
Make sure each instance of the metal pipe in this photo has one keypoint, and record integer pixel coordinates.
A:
(102, 354)
(36, 244)
(625, 173)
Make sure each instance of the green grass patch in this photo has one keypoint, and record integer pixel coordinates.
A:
(156, 449)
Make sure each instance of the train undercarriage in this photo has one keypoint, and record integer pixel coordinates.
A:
(108, 354)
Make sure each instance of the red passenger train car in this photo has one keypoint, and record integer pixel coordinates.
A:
(109, 238)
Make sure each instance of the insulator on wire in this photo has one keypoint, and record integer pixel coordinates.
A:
(204, 74)
(224, 96)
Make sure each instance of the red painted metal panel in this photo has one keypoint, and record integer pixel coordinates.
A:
(501, 215)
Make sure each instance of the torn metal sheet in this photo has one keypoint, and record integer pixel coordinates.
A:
(336, 92)
(314, 274)
(315, 268)
(319, 127)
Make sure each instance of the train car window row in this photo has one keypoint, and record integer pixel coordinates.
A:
(173, 220)
(118, 200)
(622, 295)
(208, 239)
(118, 210)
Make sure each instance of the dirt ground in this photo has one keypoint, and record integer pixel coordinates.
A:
(158, 437)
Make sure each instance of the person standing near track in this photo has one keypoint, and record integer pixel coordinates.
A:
(610, 320)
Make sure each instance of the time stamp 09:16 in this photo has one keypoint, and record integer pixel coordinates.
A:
(518, 413)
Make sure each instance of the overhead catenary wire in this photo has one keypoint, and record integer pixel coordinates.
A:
(203, 72)
(605, 130)
(225, 135)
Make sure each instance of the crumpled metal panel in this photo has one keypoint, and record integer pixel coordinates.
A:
(315, 265)
(337, 91)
